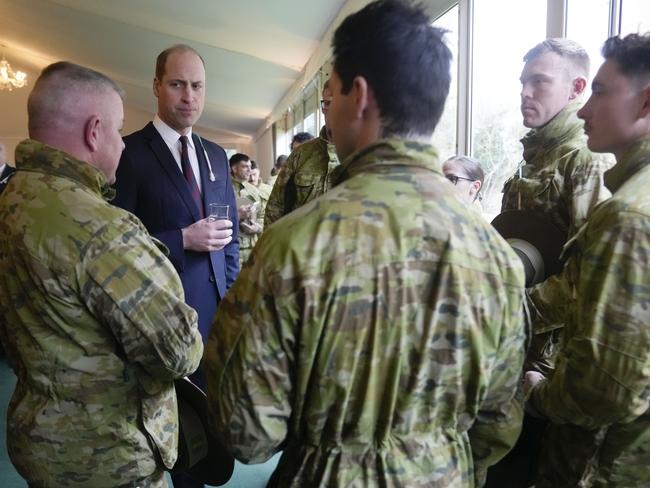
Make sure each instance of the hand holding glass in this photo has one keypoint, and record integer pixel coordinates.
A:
(218, 211)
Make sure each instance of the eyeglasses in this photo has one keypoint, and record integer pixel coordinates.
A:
(324, 104)
(454, 179)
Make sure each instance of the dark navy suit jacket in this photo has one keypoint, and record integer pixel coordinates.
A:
(150, 185)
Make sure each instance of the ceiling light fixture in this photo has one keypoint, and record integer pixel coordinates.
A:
(10, 79)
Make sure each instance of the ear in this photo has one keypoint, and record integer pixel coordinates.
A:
(91, 133)
(476, 186)
(578, 86)
(645, 108)
(361, 94)
(156, 87)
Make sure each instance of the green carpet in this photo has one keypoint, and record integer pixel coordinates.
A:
(244, 476)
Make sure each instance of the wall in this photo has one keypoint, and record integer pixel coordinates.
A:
(13, 121)
(264, 153)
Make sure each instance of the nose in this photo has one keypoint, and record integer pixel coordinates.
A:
(187, 94)
(584, 112)
(526, 91)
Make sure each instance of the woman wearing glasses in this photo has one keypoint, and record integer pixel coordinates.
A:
(466, 175)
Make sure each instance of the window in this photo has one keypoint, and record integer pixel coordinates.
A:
(297, 112)
(635, 16)
(444, 137)
(312, 106)
(499, 48)
(592, 34)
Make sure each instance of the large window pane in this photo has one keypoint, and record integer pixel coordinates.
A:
(635, 16)
(504, 30)
(444, 137)
(590, 34)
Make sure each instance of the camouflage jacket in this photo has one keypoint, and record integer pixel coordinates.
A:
(245, 194)
(564, 180)
(307, 174)
(560, 177)
(602, 375)
(95, 328)
(376, 335)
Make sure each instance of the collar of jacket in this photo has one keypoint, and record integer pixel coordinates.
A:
(635, 158)
(37, 157)
(562, 128)
(391, 152)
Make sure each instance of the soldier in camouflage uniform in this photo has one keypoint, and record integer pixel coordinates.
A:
(600, 383)
(255, 180)
(562, 179)
(250, 206)
(307, 174)
(559, 176)
(96, 328)
(376, 335)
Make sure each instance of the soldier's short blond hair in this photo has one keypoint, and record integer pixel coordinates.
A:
(56, 83)
(575, 55)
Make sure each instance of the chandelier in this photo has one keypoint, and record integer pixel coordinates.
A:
(10, 79)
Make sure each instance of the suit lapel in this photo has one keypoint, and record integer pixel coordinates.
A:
(169, 165)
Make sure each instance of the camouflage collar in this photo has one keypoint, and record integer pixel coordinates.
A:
(37, 157)
(562, 128)
(635, 158)
(391, 152)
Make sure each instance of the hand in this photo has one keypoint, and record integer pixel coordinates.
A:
(207, 235)
(250, 228)
(244, 212)
(531, 379)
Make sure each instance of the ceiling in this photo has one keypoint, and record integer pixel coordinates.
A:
(254, 50)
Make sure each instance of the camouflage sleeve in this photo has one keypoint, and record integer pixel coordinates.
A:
(247, 363)
(587, 188)
(133, 287)
(500, 415)
(549, 303)
(602, 373)
(276, 205)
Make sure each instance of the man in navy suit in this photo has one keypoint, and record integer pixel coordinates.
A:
(168, 181)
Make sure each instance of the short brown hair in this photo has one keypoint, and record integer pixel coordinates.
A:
(161, 60)
(565, 48)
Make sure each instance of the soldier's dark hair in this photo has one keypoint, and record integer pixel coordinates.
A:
(282, 158)
(402, 57)
(253, 164)
(238, 158)
(44, 105)
(570, 50)
(631, 54)
(161, 60)
(301, 137)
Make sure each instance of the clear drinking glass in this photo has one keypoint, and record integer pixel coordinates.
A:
(218, 211)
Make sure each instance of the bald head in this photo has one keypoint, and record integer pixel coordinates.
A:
(79, 111)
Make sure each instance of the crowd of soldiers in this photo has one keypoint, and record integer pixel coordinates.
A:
(379, 332)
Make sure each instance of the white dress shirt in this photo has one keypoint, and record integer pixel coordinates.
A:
(173, 141)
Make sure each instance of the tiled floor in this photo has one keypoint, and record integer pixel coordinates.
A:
(244, 476)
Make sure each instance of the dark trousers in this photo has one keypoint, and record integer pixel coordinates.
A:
(184, 480)
(518, 469)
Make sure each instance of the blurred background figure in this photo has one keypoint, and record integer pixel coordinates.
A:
(5, 170)
(466, 174)
(255, 180)
(275, 171)
(299, 139)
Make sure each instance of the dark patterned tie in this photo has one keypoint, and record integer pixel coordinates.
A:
(189, 175)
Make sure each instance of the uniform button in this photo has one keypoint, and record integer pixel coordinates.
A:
(211, 279)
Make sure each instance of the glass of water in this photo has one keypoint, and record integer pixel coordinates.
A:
(218, 211)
